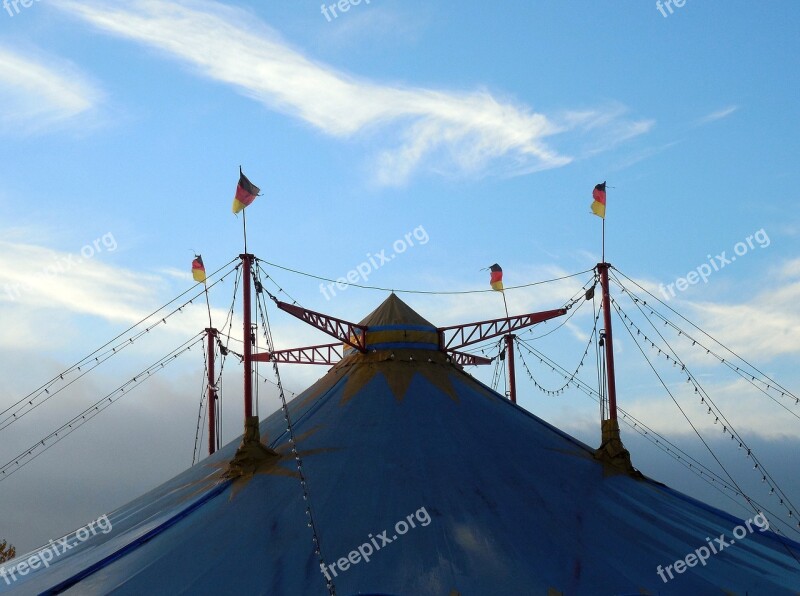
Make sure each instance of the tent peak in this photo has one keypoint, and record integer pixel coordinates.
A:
(393, 311)
(395, 325)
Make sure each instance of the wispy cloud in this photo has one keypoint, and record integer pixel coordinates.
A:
(765, 326)
(642, 155)
(609, 123)
(453, 132)
(41, 283)
(751, 412)
(718, 115)
(36, 277)
(39, 91)
(376, 23)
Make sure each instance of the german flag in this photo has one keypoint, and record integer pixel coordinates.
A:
(246, 193)
(496, 279)
(198, 269)
(599, 203)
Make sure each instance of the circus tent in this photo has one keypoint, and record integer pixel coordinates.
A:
(416, 480)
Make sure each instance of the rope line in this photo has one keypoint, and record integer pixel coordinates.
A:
(682, 411)
(772, 382)
(430, 292)
(43, 394)
(750, 379)
(661, 442)
(705, 400)
(78, 421)
(201, 413)
(311, 521)
(572, 376)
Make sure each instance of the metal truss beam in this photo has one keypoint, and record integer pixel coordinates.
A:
(352, 334)
(472, 333)
(322, 354)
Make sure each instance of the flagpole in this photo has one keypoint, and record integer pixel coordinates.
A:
(244, 227)
(604, 241)
(208, 305)
(512, 379)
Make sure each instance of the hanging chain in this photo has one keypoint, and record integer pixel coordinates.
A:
(310, 522)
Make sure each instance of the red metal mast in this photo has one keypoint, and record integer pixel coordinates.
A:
(512, 379)
(611, 449)
(247, 262)
(602, 268)
(251, 453)
(211, 334)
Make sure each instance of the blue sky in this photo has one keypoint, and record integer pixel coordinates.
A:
(481, 128)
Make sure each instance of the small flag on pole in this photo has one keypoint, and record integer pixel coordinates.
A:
(599, 203)
(496, 279)
(246, 193)
(198, 269)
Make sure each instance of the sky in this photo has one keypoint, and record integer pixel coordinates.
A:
(410, 145)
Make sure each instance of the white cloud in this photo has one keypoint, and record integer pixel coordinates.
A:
(40, 282)
(751, 412)
(36, 277)
(466, 133)
(39, 91)
(718, 115)
(641, 155)
(790, 269)
(768, 325)
(765, 325)
(374, 24)
(602, 129)
(59, 302)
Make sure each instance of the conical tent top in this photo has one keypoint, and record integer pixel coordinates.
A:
(395, 325)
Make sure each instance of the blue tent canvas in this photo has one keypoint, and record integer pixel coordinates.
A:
(455, 490)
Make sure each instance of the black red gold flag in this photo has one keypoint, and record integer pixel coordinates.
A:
(599, 203)
(246, 193)
(198, 269)
(496, 279)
